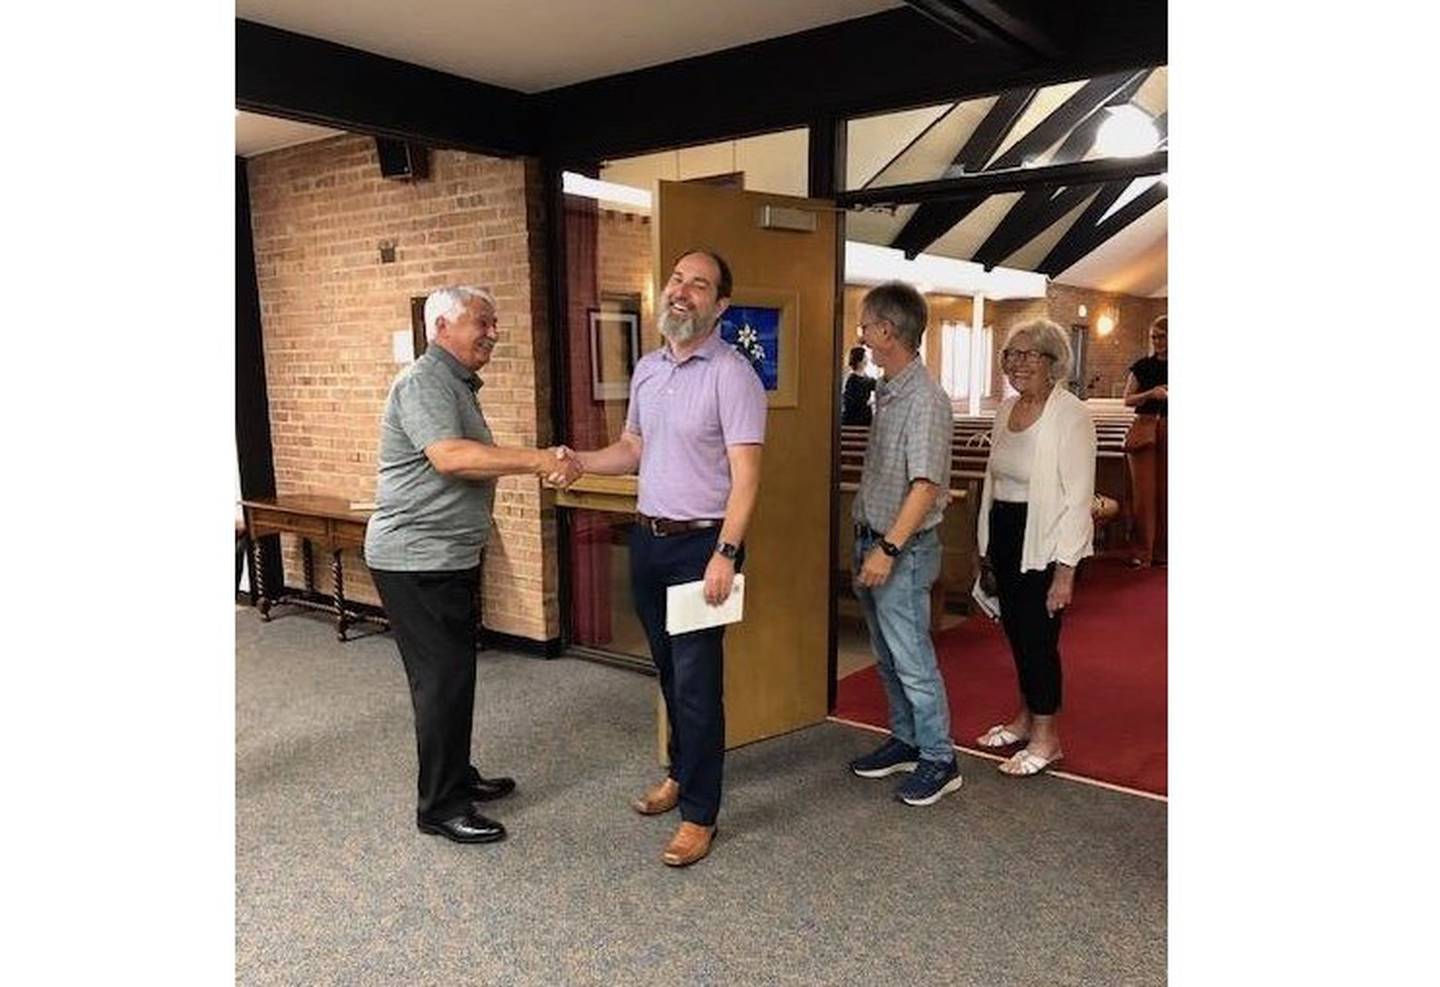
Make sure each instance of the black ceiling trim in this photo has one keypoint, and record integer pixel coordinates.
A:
(1077, 242)
(932, 221)
(886, 62)
(985, 22)
(290, 75)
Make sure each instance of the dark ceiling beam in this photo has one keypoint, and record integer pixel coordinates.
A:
(930, 222)
(986, 22)
(1035, 213)
(1039, 208)
(786, 82)
(1081, 231)
(1076, 243)
(1014, 180)
(280, 73)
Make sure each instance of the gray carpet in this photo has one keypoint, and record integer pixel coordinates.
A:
(817, 877)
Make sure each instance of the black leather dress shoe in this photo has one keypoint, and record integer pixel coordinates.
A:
(487, 789)
(466, 826)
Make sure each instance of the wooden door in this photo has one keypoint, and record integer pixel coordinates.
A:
(776, 660)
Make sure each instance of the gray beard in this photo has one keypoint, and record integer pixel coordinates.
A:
(678, 329)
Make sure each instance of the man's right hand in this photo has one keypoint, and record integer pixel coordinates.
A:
(562, 467)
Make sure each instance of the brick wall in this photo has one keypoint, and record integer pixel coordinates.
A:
(329, 308)
(1109, 357)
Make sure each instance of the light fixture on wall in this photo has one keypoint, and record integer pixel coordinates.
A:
(1105, 324)
(1084, 311)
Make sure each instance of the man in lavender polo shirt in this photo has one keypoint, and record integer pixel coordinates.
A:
(695, 430)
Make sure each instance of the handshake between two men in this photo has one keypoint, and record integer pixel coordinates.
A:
(559, 466)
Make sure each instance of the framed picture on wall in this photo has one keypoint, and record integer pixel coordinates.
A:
(762, 324)
(614, 348)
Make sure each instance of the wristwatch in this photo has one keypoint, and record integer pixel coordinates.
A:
(728, 550)
(889, 548)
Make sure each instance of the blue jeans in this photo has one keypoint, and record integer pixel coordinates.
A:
(898, 615)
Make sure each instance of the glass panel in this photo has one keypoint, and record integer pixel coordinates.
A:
(602, 612)
(923, 144)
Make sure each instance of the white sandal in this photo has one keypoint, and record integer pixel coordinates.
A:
(1026, 762)
(999, 736)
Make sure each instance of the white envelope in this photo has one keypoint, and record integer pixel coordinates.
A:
(686, 609)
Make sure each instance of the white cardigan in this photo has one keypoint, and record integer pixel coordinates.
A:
(1058, 526)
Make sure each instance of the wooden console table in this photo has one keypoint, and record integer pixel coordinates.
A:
(328, 521)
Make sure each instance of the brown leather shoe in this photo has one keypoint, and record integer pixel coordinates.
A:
(690, 843)
(662, 798)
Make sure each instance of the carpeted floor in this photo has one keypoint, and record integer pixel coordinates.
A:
(1113, 654)
(817, 876)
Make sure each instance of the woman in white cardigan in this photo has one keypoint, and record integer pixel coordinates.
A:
(1035, 527)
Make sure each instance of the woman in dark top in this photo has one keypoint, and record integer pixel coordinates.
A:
(1146, 446)
(855, 406)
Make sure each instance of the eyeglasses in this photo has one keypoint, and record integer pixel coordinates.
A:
(1023, 356)
(866, 325)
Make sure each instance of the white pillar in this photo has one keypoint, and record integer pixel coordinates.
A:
(978, 372)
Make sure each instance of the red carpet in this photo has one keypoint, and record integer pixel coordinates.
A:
(1113, 652)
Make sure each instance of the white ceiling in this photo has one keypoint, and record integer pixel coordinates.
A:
(256, 134)
(532, 46)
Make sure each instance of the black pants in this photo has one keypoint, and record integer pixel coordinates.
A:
(1034, 635)
(691, 666)
(433, 617)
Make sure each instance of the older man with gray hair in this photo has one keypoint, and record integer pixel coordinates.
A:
(904, 488)
(438, 465)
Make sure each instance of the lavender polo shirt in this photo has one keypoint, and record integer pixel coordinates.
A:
(686, 414)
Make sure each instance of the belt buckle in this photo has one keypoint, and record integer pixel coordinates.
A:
(655, 527)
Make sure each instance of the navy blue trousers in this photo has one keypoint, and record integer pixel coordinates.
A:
(691, 666)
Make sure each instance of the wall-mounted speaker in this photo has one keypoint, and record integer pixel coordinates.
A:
(401, 159)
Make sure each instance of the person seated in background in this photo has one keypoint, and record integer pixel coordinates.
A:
(1034, 528)
(855, 399)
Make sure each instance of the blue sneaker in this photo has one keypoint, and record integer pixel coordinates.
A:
(890, 757)
(931, 781)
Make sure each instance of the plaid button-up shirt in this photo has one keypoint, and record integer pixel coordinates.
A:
(909, 440)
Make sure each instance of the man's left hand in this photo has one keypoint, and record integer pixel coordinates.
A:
(719, 578)
(876, 568)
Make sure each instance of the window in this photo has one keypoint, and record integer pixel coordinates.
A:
(965, 357)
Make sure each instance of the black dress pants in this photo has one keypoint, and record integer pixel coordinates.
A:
(432, 615)
(691, 666)
(1033, 634)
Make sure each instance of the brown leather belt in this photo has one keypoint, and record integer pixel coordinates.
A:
(662, 526)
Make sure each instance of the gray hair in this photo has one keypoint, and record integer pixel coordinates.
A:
(1048, 338)
(449, 303)
(901, 306)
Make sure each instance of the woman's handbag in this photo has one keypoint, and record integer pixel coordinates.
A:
(1144, 433)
